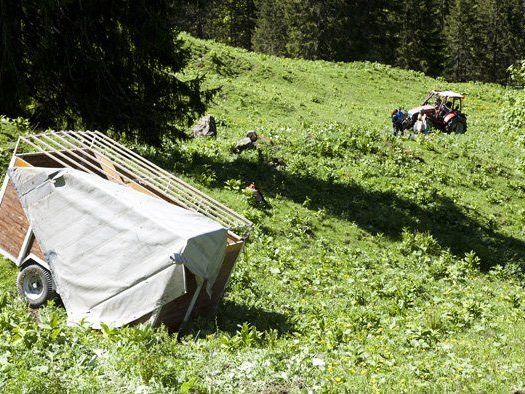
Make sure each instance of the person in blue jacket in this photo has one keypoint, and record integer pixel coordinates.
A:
(398, 117)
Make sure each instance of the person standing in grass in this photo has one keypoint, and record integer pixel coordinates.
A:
(397, 121)
(426, 128)
(421, 125)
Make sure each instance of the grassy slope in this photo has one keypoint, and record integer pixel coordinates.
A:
(382, 263)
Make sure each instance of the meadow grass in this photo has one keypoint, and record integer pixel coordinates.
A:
(380, 263)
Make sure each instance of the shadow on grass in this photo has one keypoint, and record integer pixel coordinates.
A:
(374, 211)
(231, 315)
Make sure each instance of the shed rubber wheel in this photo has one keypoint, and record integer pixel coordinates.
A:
(35, 285)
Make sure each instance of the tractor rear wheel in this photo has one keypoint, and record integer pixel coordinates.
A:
(456, 126)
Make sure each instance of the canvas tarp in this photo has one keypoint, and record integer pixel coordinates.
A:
(115, 253)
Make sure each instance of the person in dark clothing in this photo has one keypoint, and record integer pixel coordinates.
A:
(397, 121)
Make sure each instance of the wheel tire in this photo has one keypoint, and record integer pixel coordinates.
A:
(430, 125)
(463, 128)
(35, 285)
(456, 126)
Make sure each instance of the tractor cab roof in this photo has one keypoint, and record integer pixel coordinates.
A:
(447, 93)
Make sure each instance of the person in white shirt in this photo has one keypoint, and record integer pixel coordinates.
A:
(421, 125)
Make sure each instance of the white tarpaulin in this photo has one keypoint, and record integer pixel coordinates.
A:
(115, 253)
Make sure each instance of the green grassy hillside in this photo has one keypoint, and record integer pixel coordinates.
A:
(380, 264)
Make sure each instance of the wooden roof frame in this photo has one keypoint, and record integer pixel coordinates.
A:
(96, 153)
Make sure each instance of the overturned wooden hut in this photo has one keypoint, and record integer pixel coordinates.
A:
(98, 155)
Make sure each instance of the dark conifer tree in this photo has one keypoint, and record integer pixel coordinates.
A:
(96, 64)
(14, 92)
(505, 33)
(420, 45)
(376, 29)
(242, 22)
(228, 21)
(304, 25)
(464, 40)
(192, 16)
(271, 31)
(484, 37)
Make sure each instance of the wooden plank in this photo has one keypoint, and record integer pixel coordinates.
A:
(140, 188)
(37, 160)
(106, 164)
(36, 250)
(26, 246)
(21, 163)
(13, 222)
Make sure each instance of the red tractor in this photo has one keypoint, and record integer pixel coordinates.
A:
(443, 111)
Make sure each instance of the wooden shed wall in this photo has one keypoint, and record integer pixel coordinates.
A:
(14, 224)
